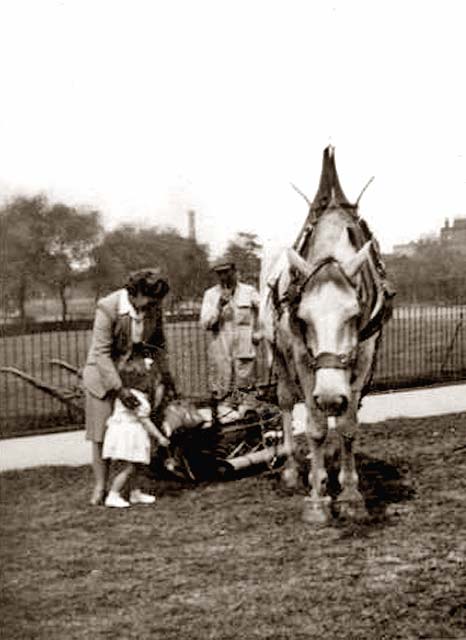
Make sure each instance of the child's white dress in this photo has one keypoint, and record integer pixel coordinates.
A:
(126, 438)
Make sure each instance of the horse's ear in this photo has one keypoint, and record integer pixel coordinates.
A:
(297, 263)
(352, 266)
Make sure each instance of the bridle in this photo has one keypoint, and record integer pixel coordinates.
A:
(325, 359)
(376, 305)
(328, 360)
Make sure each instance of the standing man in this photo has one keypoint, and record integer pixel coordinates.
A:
(230, 312)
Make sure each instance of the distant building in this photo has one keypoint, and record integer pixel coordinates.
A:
(192, 225)
(453, 236)
(408, 250)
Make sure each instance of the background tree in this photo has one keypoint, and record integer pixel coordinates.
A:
(434, 273)
(71, 238)
(244, 251)
(128, 248)
(22, 232)
(43, 247)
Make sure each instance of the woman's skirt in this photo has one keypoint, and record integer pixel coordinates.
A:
(97, 412)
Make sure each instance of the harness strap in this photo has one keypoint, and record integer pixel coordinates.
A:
(376, 293)
(381, 315)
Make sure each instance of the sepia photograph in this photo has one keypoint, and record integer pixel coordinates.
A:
(232, 320)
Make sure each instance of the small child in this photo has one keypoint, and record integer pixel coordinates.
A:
(129, 430)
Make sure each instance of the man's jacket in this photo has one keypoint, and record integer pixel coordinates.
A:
(233, 324)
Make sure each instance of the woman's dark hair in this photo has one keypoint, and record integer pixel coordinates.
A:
(147, 282)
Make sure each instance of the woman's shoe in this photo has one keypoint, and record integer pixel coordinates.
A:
(115, 500)
(97, 497)
(138, 497)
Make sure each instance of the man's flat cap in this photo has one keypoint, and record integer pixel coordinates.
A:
(222, 265)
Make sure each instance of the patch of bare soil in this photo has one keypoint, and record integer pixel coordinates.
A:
(234, 559)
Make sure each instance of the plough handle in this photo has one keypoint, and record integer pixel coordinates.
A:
(55, 392)
(66, 365)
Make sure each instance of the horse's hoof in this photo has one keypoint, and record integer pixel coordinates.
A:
(317, 512)
(290, 478)
(353, 509)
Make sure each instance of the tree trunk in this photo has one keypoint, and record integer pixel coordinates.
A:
(64, 303)
(22, 290)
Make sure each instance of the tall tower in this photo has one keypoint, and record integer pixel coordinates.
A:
(192, 225)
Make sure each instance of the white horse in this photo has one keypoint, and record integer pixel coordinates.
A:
(322, 308)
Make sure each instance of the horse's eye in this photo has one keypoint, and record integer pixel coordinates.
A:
(354, 319)
(310, 333)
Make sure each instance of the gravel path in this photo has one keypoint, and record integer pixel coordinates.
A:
(72, 449)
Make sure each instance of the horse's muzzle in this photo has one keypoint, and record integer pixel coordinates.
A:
(331, 405)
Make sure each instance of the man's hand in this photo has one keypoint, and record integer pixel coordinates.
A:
(225, 297)
(128, 398)
(256, 337)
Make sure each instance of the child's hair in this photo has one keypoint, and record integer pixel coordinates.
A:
(140, 372)
(134, 373)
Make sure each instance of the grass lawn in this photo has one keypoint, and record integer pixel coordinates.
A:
(234, 561)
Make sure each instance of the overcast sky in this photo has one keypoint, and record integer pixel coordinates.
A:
(144, 109)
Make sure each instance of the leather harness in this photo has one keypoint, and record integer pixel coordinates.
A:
(374, 295)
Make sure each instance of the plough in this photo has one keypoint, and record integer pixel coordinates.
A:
(72, 397)
(241, 433)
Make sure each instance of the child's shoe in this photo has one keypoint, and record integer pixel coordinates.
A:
(138, 497)
(115, 500)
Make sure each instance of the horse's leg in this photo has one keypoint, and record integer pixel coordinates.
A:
(317, 506)
(350, 502)
(290, 470)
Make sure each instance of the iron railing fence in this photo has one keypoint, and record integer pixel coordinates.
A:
(421, 345)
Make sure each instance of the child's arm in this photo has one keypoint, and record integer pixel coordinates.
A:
(158, 395)
(153, 431)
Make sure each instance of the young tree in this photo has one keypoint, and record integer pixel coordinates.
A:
(244, 250)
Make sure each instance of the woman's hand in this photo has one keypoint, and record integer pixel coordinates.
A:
(128, 398)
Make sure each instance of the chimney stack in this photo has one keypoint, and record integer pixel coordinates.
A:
(192, 225)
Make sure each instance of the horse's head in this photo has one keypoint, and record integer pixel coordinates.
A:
(334, 302)
(325, 312)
